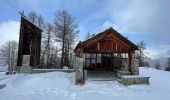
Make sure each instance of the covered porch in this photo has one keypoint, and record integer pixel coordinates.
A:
(108, 66)
(110, 62)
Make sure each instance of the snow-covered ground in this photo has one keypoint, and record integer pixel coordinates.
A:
(3, 68)
(60, 86)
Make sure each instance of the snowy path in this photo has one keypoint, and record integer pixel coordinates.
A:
(4, 78)
(60, 86)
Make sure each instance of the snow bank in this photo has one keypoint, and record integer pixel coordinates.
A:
(37, 86)
(60, 86)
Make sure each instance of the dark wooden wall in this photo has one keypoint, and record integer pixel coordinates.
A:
(29, 42)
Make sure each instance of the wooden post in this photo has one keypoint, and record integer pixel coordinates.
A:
(90, 61)
(101, 66)
(129, 61)
(106, 62)
(96, 61)
(85, 62)
(111, 61)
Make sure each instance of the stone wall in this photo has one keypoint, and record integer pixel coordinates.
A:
(78, 63)
(134, 79)
(120, 73)
(52, 70)
(135, 67)
(124, 65)
(26, 68)
(124, 69)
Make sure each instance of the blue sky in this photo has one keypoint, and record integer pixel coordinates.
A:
(138, 20)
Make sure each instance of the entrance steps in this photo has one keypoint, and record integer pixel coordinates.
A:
(101, 76)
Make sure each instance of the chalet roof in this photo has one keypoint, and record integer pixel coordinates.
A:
(90, 41)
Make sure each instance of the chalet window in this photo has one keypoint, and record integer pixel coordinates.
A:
(87, 62)
(124, 55)
(98, 58)
(87, 55)
(108, 55)
(119, 55)
(93, 61)
(115, 54)
(93, 55)
(127, 55)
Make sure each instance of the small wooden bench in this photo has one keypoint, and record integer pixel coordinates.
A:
(134, 79)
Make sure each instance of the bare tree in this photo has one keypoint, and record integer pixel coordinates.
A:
(49, 51)
(47, 44)
(32, 16)
(140, 54)
(146, 63)
(54, 58)
(39, 21)
(88, 35)
(8, 53)
(158, 64)
(66, 31)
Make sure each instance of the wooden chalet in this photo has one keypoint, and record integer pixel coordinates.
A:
(29, 42)
(105, 51)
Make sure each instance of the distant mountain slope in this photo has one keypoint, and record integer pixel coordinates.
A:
(162, 60)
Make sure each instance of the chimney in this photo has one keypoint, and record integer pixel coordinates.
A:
(110, 27)
(93, 35)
